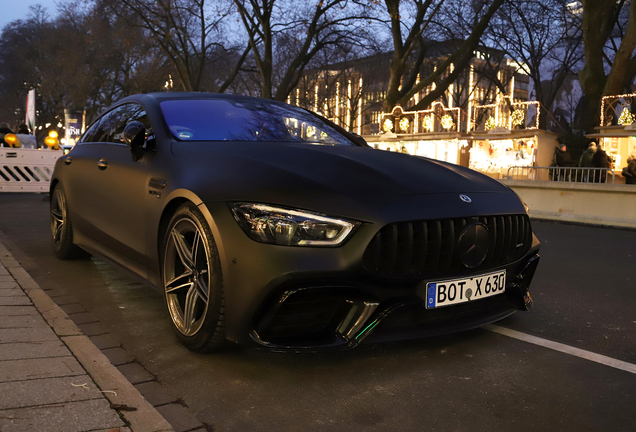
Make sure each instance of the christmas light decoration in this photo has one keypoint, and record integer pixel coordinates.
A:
(490, 123)
(626, 118)
(423, 117)
(387, 126)
(517, 117)
(517, 106)
(428, 123)
(447, 122)
(631, 95)
(404, 124)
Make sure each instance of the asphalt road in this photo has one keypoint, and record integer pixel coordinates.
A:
(584, 292)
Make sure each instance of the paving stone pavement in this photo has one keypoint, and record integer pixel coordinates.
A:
(42, 385)
(52, 378)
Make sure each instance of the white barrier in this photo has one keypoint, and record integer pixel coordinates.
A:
(592, 203)
(26, 170)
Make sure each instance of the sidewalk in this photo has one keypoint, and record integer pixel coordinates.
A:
(52, 377)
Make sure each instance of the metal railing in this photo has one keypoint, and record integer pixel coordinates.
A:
(562, 174)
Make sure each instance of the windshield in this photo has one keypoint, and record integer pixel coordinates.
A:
(246, 120)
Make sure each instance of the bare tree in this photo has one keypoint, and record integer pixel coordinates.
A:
(544, 41)
(83, 59)
(602, 28)
(410, 50)
(285, 36)
(187, 31)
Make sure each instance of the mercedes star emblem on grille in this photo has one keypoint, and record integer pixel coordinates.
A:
(473, 245)
(465, 198)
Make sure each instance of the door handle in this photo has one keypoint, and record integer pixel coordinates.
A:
(102, 164)
(68, 160)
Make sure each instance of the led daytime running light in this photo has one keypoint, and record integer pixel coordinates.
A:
(287, 226)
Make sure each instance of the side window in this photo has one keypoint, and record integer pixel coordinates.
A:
(139, 114)
(125, 115)
(110, 127)
(91, 133)
(112, 124)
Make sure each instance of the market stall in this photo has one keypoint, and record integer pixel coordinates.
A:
(494, 153)
(432, 133)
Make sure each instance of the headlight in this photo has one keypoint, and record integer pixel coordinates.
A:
(276, 225)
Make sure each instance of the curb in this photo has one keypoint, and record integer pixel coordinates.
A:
(117, 389)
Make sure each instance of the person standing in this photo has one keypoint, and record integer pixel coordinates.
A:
(27, 140)
(562, 160)
(600, 160)
(629, 172)
(586, 161)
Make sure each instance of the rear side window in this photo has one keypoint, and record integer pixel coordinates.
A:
(246, 120)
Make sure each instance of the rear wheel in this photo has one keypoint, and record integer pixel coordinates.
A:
(61, 227)
(193, 283)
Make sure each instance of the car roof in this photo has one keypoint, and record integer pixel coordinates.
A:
(163, 96)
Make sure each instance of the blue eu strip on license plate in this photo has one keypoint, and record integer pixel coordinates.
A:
(431, 293)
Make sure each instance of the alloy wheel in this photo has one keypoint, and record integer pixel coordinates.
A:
(187, 276)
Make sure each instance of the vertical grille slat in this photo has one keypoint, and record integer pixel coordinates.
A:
(521, 238)
(408, 248)
(507, 237)
(491, 223)
(392, 234)
(448, 245)
(499, 244)
(429, 248)
(423, 248)
(514, 236)
(435, 241)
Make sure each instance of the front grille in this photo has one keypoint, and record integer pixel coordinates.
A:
(428, 249)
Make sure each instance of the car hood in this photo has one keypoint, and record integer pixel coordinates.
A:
(316, 176)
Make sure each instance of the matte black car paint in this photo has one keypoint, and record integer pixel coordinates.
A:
(119, 212)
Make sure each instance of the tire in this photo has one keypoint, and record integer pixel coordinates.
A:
(193, 282)
(61, 227)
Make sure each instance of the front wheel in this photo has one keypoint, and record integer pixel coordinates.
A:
(193, 283)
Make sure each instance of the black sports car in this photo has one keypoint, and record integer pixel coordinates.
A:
(263, 223)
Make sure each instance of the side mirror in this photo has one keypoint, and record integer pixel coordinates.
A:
(135, 138)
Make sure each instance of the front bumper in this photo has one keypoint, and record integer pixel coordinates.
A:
(340, 317)
(304, 298)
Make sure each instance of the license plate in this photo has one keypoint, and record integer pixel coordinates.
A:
(446, 293)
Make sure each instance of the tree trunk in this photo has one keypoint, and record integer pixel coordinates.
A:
(599, 18)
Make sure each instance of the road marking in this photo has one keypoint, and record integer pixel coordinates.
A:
(577, 352)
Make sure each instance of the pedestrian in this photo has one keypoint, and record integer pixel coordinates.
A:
(27, 140)
(586, 161)
(600, 160)
(4, 129)
(629, 172)
(561, 160)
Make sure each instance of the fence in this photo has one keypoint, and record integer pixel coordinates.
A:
(26, 170)
(566, 174)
